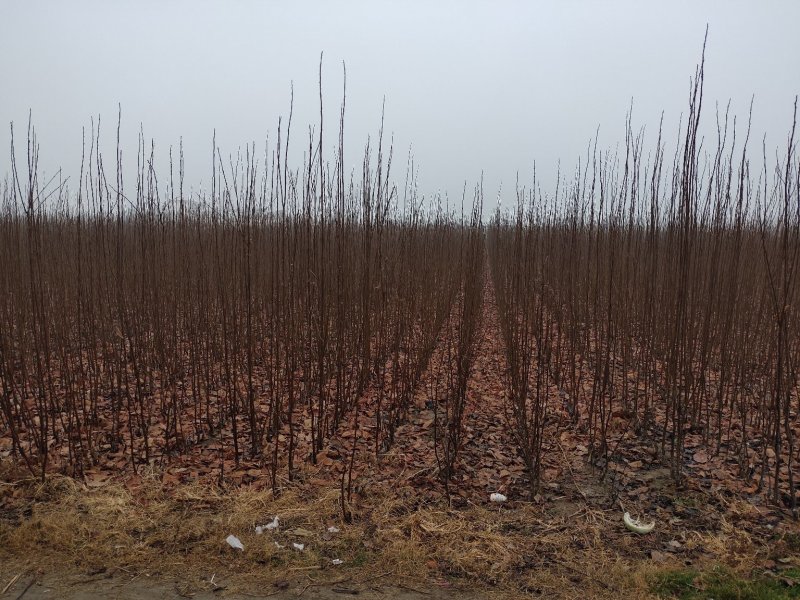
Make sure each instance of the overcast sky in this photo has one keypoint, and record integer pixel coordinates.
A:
(473, 86)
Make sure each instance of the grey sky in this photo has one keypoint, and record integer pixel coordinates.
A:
(474, 86)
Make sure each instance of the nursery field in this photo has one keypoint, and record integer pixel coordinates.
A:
(311, 382)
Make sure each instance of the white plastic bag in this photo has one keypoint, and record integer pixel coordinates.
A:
(234, 542)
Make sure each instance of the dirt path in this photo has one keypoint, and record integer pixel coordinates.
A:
(151, 588)
(488, 461)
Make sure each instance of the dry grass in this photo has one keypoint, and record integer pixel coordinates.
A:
(63, 526)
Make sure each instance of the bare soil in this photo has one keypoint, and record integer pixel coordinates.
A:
(50, 587)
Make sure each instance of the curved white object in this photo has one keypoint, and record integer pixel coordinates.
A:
(636, 525)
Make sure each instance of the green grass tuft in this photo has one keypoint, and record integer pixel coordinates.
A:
(721, 584)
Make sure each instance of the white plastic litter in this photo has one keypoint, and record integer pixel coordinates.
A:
(298, 547)
(337, 561)
(268, 527)
(637, 525)
(495, 497)
(333, 529)
(234, 542)
(279, 546)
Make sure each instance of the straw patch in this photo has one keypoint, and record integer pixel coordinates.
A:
(62, 525)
